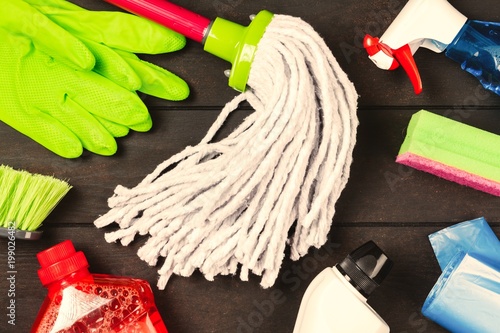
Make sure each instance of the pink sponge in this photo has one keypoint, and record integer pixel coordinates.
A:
(453, 151)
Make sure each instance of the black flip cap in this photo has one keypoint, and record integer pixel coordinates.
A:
(365, 268)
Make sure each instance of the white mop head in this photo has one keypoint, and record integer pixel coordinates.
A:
(229, 205)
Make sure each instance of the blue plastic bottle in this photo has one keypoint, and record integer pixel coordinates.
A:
(436, 25)
(477, 49)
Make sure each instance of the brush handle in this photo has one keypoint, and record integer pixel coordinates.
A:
(179, 19)
(20, 234)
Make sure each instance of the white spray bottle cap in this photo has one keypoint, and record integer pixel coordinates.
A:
(432, 24)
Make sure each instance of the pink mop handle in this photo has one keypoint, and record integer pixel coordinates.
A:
(179, 19)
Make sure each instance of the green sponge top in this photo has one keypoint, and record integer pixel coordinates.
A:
(454, 144)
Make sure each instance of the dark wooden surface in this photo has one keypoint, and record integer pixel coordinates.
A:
(394, 206)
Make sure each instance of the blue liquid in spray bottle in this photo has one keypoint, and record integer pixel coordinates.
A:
(436, 25)
(477, 49)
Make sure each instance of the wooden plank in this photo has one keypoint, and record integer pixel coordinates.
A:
(343, 25)
(194, 304)
(378, 189)
(395, 206)
(381, 190)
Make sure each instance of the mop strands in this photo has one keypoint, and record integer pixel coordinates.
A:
(229, 205)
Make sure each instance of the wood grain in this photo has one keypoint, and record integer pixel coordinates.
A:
(395, 206)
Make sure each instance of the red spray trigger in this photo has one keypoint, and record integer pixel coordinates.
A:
(402, 56)
(405, 58)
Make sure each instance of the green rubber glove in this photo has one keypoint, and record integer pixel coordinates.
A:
(62, 108)
(113, 38)
(20, 18)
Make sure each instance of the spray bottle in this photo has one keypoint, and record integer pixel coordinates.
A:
(335, 301)
(439, 27)
(79, 301)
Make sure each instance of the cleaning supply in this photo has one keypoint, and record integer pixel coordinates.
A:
(453, 151)
(229, 205)
(52, 93)
(466, 297)
(26, 200)
(335, 301)
(44, 34)
(222, 38)
(114, 38)
(439, 27)
(79, 301)
(474, 237)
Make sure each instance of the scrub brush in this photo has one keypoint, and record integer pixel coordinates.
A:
(453, 151)
(26, 200)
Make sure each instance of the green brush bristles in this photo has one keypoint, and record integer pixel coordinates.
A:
(27, 199)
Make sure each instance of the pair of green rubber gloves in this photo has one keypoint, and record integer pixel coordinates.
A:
(69, 76)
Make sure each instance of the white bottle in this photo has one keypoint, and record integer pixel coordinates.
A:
(335, 301)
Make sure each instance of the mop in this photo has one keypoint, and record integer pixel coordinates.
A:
(233, 205)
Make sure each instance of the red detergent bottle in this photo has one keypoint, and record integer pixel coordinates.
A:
(79, 301)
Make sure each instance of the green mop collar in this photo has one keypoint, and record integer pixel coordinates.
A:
(237, 44)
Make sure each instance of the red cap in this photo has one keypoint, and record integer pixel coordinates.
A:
(59, 261)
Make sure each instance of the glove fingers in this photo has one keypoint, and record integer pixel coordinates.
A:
(93, 136)
(116, 130)
(144, 126)
(21, 18)
(117, 108)
(119, 131)
(47, 131)
(115, 29)
(55, 83)
(105, 99)
(112, 66)
(61, 4)
(157, 81)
